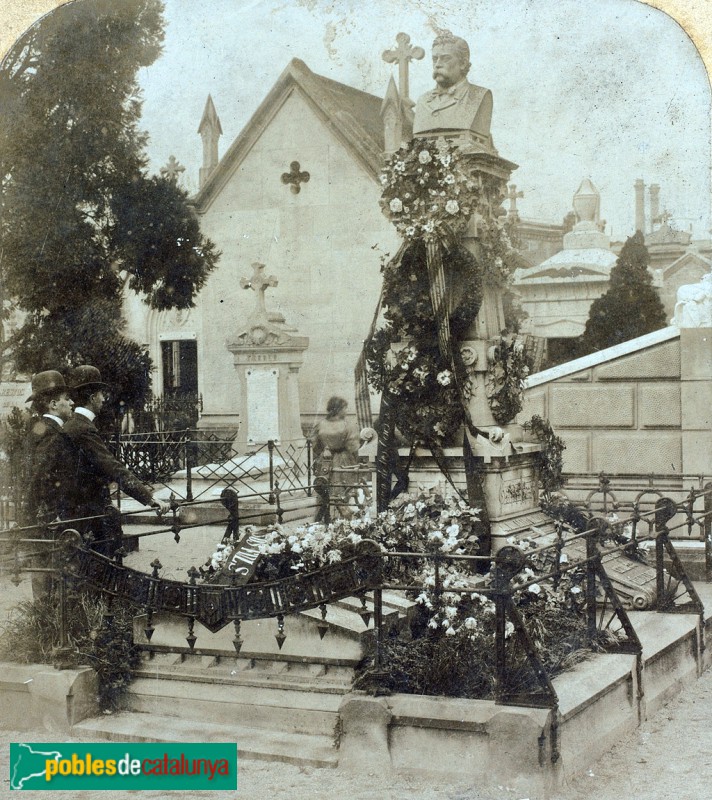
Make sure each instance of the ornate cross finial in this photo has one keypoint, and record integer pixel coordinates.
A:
(665, 217)
(402, 54)
(513, 195)
(294, 177)
(172, 170)
(259, 282)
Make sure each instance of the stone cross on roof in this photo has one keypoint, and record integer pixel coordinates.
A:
(513, 195)
(259, 282)
(172, 170)
(403, 54)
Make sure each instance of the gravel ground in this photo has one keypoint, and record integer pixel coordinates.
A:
(670, 755)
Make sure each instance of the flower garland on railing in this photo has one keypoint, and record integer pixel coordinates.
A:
(508, 366)
(551, 459)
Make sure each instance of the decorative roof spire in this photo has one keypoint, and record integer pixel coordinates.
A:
(210, 131)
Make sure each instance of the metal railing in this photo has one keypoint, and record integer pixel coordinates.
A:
(192, 463)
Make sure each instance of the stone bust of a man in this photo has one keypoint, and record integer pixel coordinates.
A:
(455, 104)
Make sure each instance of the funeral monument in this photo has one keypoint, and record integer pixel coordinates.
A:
(450, 382)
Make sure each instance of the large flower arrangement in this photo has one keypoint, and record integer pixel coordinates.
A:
(423, 522)
(428, 192)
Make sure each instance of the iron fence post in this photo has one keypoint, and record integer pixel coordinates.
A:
(270, 450)
(309, 468)
(188, 466)
(62, 656)
(591, 554)
(660, 529)
(707, 531)
(230, 499)
(501, 585)
(279, 509)
(378, 628)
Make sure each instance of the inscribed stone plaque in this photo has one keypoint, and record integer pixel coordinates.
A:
(13, 394)
(262, 404)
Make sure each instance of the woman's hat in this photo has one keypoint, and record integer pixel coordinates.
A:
(86, 375)
(47, 381)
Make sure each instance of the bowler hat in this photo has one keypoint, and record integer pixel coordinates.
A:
(85, 375)
(47, 381)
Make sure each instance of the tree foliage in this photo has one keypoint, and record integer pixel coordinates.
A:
(82, 220)
(631, 307)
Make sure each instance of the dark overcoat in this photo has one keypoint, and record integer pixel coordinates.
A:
(91, 467)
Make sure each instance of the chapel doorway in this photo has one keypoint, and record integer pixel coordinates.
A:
(179, 359)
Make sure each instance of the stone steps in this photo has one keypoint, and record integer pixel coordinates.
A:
(303, 710)
(252, 743)
(283, 703)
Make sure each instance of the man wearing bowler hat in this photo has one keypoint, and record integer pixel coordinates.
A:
(92, 466)
(44, 474)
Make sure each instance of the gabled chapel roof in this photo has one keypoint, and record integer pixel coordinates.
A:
(352, 116)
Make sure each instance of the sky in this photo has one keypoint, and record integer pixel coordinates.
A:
(612, 90)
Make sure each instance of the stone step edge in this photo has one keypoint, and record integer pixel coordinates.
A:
(260, 744)
(247, 654)
(299, 684)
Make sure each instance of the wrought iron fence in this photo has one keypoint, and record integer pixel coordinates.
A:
(520, 674)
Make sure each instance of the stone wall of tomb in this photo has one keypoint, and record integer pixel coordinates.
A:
(641, 407)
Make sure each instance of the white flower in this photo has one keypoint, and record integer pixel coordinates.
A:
(444, 377)
(333, 556)
(410, 231)
(396, 205)
(429, 226)
(508, 629)
(453, 530)
(424, 157)
(384, 180)
(452, 206)
(450, 632)
(432, 623)
(575, 590)
(470, 623)
(450, 178)
(535, 588)
(445, 159)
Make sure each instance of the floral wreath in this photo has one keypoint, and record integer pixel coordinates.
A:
(403, 355)
(427, 190)
(504, 385)
(551, 461)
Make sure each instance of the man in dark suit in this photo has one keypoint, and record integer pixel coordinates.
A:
(52, 407)
(92, 467)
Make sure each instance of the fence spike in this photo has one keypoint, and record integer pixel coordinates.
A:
(322, 624)
(280, 636)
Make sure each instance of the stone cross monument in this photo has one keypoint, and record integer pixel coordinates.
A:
(267, 355)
